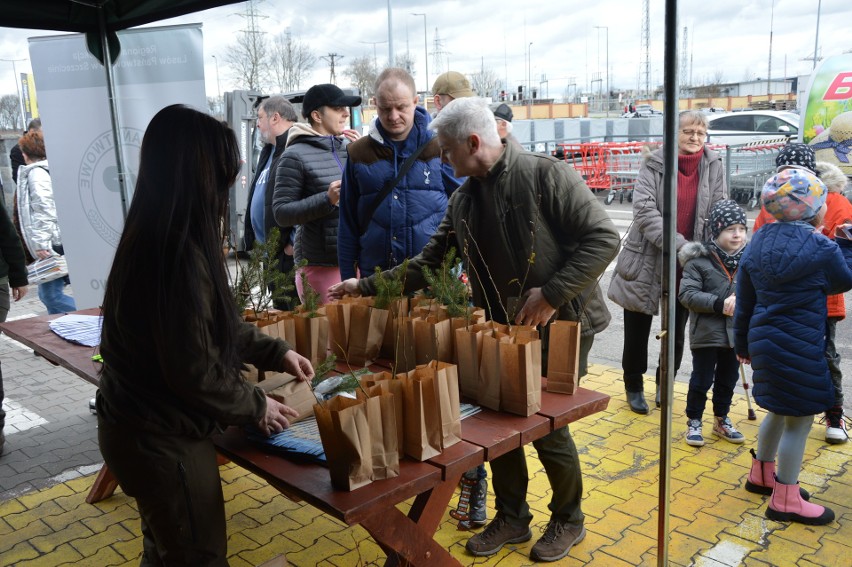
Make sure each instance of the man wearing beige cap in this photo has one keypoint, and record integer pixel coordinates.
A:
(449, 86)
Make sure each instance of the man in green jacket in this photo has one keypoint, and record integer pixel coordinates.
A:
(527, 227)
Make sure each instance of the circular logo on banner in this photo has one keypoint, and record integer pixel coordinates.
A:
(98, 184)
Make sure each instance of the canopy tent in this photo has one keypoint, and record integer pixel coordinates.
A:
(100, 19)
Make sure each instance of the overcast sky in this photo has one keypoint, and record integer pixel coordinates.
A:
(727, 37)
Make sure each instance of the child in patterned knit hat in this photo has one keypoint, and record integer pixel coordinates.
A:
(707, 290)
(785, 274)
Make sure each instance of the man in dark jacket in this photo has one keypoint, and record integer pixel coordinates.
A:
(275, 116)
(13, 279)
(16, 157)
(527, 226)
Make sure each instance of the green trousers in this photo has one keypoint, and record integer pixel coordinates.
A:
(558, 455)
(176, 484)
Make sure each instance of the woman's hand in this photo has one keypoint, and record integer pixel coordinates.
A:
(276, 418)
(298, 366)
(743, 359)
(333, 192)
(42, 254)
(351, 135)
(18, 293)
(346, 287)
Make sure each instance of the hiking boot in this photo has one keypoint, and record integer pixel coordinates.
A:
(835, 426)
(557, 541)
(470, 511)
(693, 433)
(722, 427)
(495, 536)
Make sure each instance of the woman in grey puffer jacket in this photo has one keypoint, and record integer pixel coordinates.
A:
(307, 183)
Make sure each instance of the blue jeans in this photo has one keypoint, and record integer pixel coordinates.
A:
(52, 294)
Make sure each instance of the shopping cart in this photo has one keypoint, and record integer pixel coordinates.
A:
(747, 167)
(623, 161)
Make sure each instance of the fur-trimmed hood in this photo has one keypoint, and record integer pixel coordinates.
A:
(690, 251)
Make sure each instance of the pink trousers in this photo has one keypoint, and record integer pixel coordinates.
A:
(320, 278)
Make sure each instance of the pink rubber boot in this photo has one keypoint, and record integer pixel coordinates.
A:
(787, 505)
(761, 478)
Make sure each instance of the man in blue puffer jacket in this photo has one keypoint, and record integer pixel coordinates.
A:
(406, 218)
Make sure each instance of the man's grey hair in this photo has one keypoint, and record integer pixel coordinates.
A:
(279, 104)
(693, 117)
(466, 116)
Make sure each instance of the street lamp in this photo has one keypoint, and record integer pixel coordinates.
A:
(218, 86)
(529, 78)
(18, 91)
(425, 50)
(606, 28)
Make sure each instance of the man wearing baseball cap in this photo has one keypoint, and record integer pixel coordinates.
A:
(450, 86)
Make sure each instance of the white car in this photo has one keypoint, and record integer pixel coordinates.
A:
(752, 126)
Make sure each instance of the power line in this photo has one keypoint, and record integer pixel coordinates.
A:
(332, 78)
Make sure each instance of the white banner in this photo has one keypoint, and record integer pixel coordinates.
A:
(157, 67)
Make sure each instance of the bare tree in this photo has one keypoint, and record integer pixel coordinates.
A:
(10, 112)
(248, 57)
(485, 82)
(362, 73)
(291, 61)
(405, 61)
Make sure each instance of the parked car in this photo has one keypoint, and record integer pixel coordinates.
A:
(642, 111)
(752, 126)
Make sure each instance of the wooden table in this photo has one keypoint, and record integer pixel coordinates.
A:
(404, 538)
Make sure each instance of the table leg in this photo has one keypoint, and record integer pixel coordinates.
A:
(408, 540)
(104, 486)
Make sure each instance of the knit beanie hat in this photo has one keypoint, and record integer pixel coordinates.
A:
(793, 195)
(724, 214)
(796, 155)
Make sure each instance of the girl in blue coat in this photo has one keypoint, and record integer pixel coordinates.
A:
(779, 327)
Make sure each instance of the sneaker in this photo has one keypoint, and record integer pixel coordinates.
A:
(693, 433)
(722, 427)
(557, 541)
(495, 536)
(835, 426)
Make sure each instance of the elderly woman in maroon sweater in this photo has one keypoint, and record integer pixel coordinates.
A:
(636, 284)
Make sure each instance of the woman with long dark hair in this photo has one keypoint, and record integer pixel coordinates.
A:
(173, 344)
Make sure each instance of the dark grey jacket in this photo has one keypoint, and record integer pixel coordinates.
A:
(309, 164)
(703, 289)
(554, 227)
(637, 278)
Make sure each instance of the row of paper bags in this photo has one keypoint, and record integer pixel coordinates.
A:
(415, 413)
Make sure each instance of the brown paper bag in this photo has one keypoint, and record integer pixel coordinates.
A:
(422, 415)
(397, 309)
(488, 394)
(381, 416)
(563, 357)
(366, 332)
(338, 313)
(311, 337)
(388, 383)
(468, 353)
(346, 439)
(280, 325)
(520, 375)
(447, 383)
(433, 340)
(291, 392)
(405, 354)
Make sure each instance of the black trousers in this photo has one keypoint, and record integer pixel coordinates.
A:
(637, 332)
(175, 481)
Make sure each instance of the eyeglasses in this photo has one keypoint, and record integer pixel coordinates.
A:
(691, 133)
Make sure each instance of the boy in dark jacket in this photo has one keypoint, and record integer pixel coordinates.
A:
(707, 290)
(785, 275)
